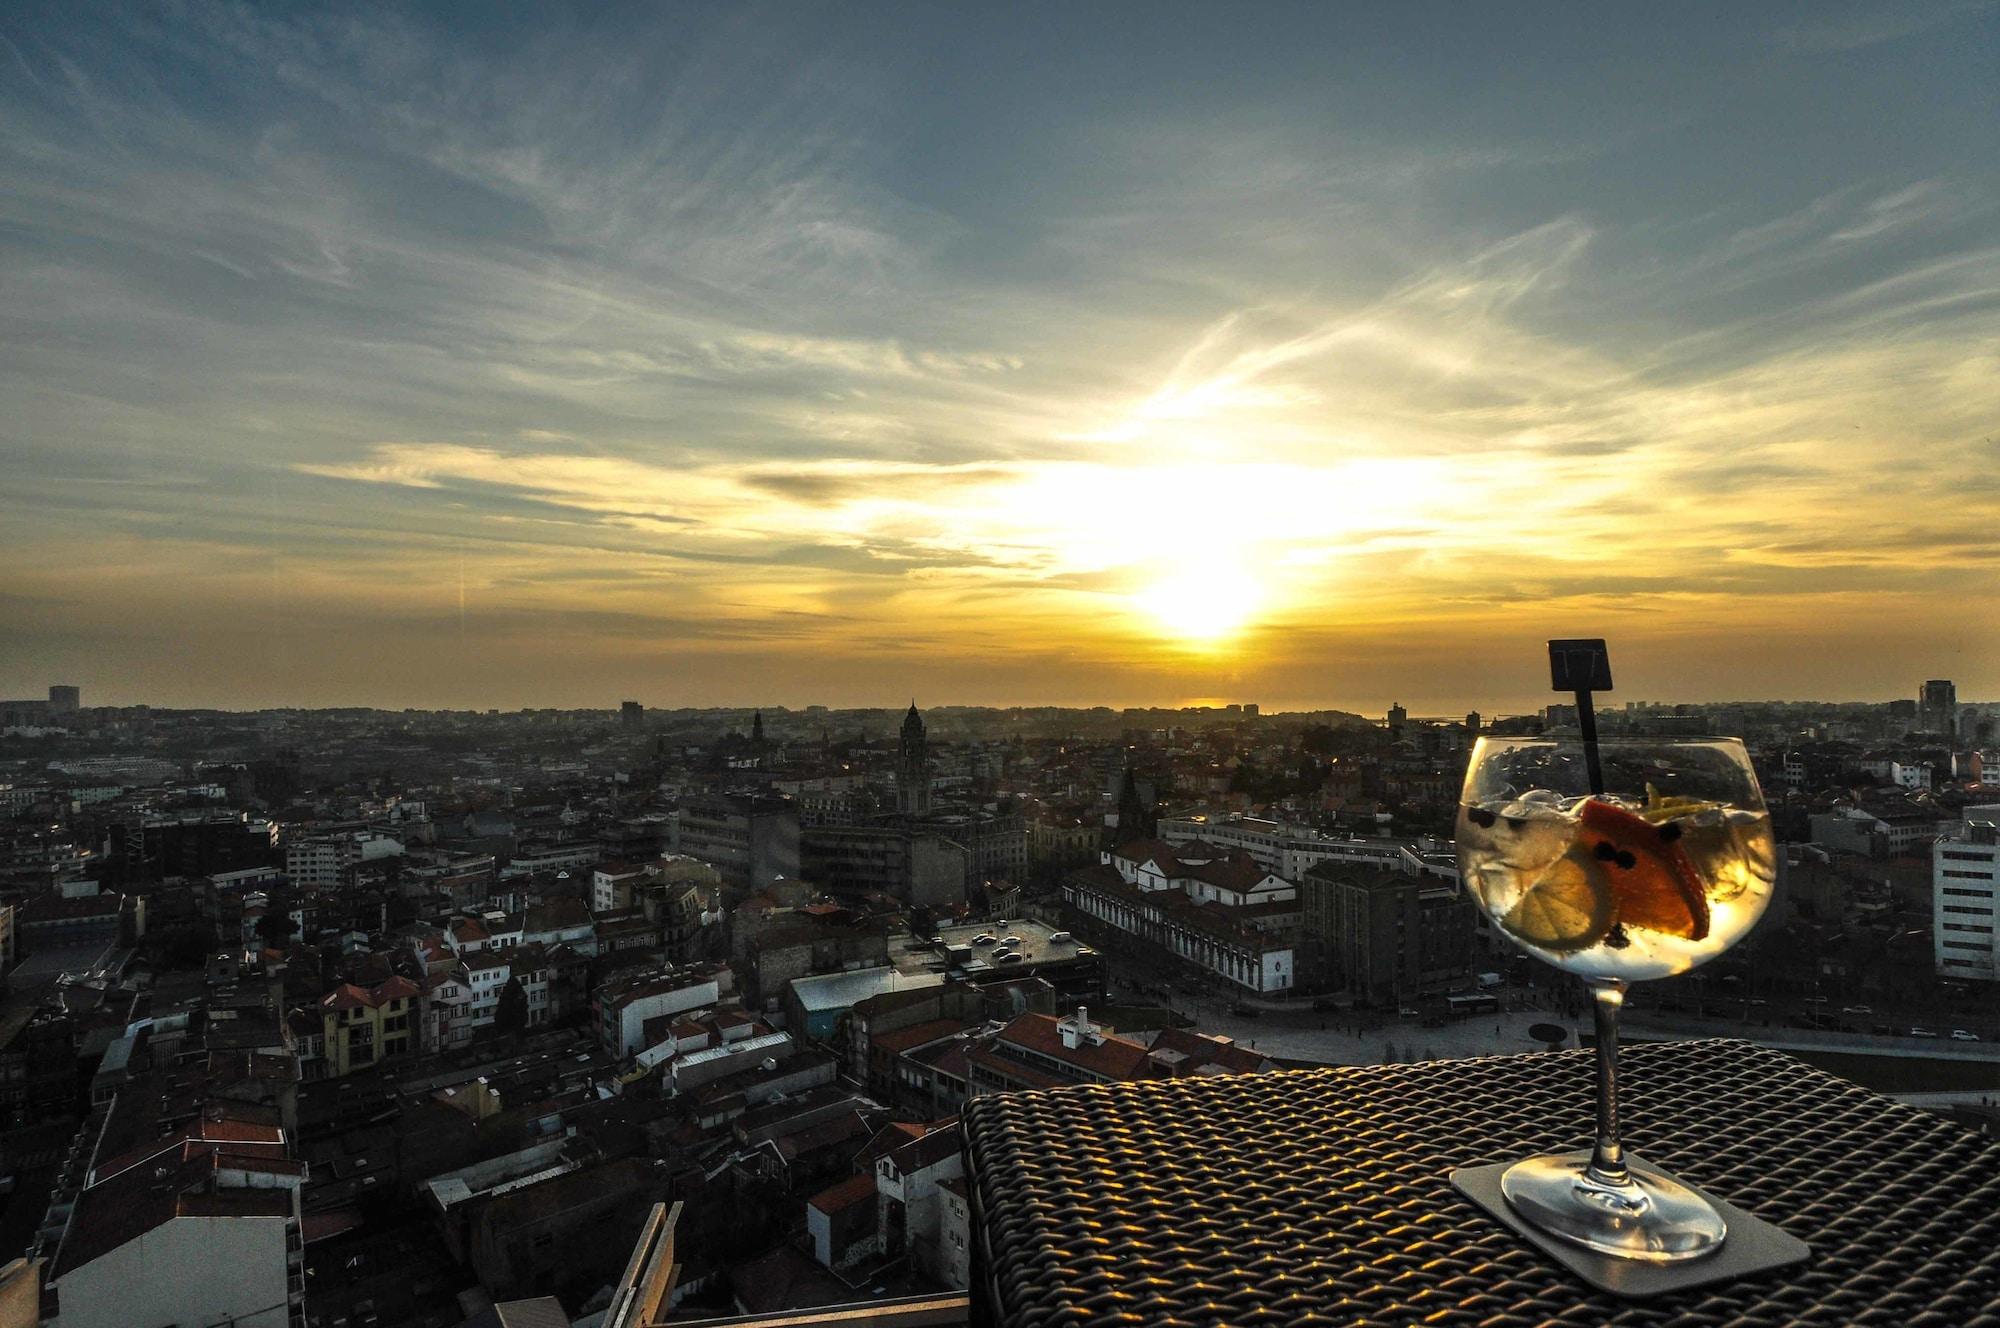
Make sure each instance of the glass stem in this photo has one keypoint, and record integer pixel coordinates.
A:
(1607, 1159)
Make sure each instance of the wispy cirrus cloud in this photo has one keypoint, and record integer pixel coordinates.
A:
(814, 347)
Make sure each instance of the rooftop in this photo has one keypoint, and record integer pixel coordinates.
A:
(958, 945)
(841, 991)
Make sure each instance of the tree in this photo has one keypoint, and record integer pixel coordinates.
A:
(512, 1014)
(275, 927)
(187, 947)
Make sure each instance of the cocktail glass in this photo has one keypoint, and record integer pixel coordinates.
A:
(1661, 869)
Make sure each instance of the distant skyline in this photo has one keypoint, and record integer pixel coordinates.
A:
(1316, 356)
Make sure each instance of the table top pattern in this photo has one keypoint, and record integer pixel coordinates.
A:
(1320, 1197)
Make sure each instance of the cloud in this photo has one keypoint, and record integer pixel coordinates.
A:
(1842, 28)
(728, 333)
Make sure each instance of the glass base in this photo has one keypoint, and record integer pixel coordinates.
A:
(1652, 1217)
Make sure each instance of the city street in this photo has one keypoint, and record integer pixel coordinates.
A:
(1299, 1035)
(1293, 1030)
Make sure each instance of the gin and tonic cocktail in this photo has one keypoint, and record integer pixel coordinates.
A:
(1654, 865)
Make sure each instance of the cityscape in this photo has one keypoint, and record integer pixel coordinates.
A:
(936, 664)
(449, 1005)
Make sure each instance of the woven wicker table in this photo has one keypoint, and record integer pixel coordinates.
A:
(1322, 1196)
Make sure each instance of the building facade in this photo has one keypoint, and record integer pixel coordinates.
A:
(1386, 937)
(751, 840)
(1965, 890)
(361, 1027)
(911, 865)
(913, 766)
(1221, 912)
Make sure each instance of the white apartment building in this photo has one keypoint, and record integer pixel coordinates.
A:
(189, 1231)
(1225, 913)
(467, 998)
(1915, 777)
(614, 886)
(567, 856)
(319, 863)
(1965, 897)
(624, 1007)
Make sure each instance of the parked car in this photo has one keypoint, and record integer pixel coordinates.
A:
(1923, 1032)
(1857, 1009)
(1961, 1035)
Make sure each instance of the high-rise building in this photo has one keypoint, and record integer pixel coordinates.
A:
(1965, 891)
(1937, 707)
(911, 864)
(1386, 936)
(751, 839)
(631, 714)
(65, 700)
(913, 767)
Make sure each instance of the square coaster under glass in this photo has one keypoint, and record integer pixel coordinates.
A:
(1752, 1246)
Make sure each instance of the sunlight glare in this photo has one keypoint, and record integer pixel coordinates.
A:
(1201, 604)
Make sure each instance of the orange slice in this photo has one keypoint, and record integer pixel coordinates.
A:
(1569, 907)
(1653, 881)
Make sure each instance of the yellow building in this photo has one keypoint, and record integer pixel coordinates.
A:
(364, 1026)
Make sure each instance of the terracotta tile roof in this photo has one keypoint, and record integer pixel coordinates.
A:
(946, 1058)
(1203, 1049)
(887, 1140)
(838, 1198)
(824, 1135)
(1114, 1058)
(916, 1035)
(1221, 921)
(348, 996)
(235, 1137)
(140, 1199)
(937, 1144)
(1155, 850)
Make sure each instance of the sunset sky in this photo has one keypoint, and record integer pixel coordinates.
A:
(1317, 355)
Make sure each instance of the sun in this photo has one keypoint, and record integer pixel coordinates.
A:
(1201, 604)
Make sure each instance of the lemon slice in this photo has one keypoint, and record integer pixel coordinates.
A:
(1665, 807)
(1567, 908)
